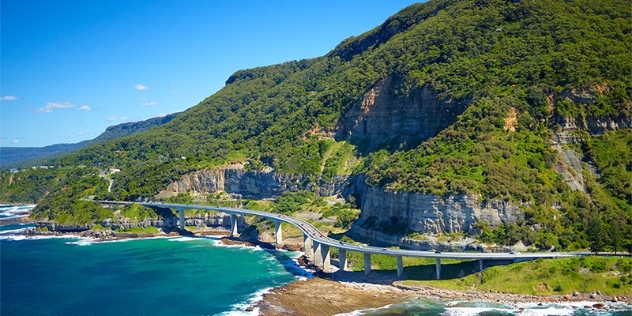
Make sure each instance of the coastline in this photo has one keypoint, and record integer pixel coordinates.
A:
(343, 292)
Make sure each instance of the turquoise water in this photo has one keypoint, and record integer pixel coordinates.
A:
(170, 276)
(179, 276)
(161, 276)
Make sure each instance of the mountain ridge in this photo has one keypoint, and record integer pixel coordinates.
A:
(494, 77)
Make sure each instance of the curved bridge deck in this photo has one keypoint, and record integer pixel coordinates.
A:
(318, 245)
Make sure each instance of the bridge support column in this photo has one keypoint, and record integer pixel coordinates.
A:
(182, 221)
(318, 259)
(367, 263)
(325, 254)
(480, 264)
(277, 233)
(438, 265)
(342, 259)
(400, 266)
(233, 225)
(308, 245)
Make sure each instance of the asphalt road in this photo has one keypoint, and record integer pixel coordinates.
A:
(321, 238)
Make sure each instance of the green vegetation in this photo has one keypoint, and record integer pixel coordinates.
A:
(515, 68)
(137, 212)
(611, 276)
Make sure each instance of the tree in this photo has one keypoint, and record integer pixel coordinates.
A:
(597, 235)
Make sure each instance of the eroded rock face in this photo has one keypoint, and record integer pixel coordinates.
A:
(241, 183)
(427, 213)
(382, 114)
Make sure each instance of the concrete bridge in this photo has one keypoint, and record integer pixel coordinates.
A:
(318, 245)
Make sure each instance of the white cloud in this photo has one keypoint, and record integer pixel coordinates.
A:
(150, 103)
(8, 98)
(15, 141)
(81, 133)
(161, 114)
(118, 118)
(141, 87)
(50, 106)
(176, 92)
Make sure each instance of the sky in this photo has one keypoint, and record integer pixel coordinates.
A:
(71, 68)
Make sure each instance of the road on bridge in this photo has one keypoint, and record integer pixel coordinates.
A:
(316, 235)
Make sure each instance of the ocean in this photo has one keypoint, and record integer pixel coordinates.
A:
(169, 276)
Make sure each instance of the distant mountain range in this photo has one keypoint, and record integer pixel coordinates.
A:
(11, 157)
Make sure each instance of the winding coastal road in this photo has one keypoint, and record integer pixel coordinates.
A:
(316, 235)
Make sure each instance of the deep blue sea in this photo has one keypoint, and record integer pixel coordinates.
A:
(169, 276)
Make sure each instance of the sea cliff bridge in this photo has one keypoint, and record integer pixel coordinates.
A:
(318, 246)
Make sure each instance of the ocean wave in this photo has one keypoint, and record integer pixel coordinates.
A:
(36, 237)
(86, 241)
(361, 312)
(14, 211)
(12, 231)
(239, 309)
(219, 243)
(183, 238)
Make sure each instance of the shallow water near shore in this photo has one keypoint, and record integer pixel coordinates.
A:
(158, 276)
(428, 307)
(171, 276)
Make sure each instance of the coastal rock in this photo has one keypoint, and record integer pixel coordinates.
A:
(241, 183)
(429, 213)
(384, 114)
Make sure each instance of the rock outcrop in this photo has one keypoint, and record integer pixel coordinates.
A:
(382, 115)
(242, 183)
(429, 213)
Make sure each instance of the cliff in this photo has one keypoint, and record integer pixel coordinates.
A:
(432, 214)
(242, 183)
(383, 114)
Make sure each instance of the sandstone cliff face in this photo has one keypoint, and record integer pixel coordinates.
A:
(427, 213)
(241, 183)
(381, 115)
(429, 243)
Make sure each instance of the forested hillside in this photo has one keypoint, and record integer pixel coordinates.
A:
(502, 96)
(30, 156)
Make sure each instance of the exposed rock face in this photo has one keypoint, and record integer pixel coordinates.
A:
(428, 213)
(570, 165)
(381, 115)
(430, 243)
(593, 125)
(241, 183)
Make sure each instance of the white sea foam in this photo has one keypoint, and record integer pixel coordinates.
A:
(240, 308)
(14, 211)
(219, 243)
(36, 237)
(183, 238)
(13, 231)
(86, 241)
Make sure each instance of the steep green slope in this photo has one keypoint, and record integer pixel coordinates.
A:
(514, 71)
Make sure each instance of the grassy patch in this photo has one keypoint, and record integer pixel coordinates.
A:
(540, 277)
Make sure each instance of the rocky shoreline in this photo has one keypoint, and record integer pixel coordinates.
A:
(342, 293)
(345, 292)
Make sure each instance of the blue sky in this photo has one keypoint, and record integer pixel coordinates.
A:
(71, 68)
